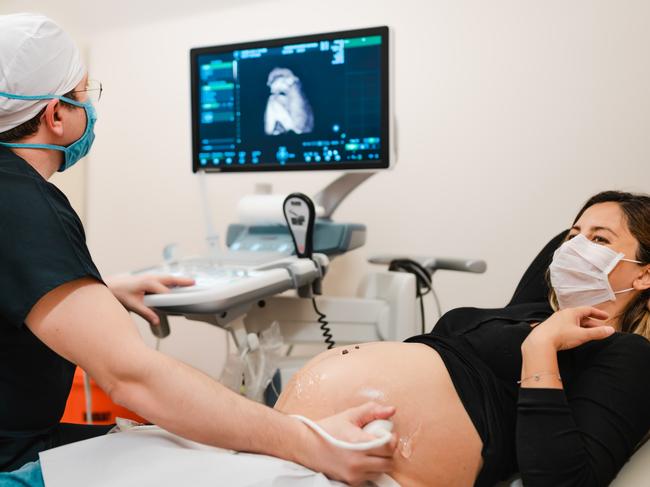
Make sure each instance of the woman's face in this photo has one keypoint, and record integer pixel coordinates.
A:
(605, 224)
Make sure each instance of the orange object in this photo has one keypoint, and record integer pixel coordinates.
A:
(104, 411)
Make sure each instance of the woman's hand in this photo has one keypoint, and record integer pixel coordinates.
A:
(130, 291)
(570, 328)
(352, 467)
(565, 329)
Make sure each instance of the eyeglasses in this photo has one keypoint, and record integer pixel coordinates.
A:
(93, 90)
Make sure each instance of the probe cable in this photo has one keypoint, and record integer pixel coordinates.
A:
(324, 326)
(383, 436)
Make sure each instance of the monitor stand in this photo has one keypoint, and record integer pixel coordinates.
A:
(330, 197)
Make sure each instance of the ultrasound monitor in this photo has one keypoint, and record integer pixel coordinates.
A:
(301, 103)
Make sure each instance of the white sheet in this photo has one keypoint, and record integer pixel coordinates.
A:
(149, 456)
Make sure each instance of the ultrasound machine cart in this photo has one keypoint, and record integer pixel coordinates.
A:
(305, 103)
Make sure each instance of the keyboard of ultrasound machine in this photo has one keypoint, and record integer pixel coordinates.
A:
(223, 269)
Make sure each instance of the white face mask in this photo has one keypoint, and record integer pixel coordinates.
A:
(579, 273)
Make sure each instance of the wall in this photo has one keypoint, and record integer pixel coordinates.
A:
(510, 114)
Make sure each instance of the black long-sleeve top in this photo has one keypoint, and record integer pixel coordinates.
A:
(577, 436)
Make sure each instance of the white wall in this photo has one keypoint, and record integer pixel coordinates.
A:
(511, 113)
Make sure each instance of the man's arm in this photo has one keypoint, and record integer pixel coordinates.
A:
(83, 322)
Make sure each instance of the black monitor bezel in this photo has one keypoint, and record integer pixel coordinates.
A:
(382, 163)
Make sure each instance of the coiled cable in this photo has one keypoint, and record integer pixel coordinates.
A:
(324, 326)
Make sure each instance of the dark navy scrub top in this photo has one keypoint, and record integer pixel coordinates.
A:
(42, 246)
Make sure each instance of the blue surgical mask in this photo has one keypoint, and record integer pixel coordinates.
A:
(78, 148)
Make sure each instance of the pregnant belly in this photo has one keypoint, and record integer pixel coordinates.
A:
(437, 442)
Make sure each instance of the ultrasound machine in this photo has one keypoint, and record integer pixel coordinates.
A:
(310, 103)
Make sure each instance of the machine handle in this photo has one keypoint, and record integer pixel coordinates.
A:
(433, 264)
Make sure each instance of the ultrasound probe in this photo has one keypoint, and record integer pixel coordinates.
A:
(300, 214)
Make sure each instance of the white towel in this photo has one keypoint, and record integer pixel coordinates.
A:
(150, 456)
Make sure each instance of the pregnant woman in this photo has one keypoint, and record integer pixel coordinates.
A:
(562, 397)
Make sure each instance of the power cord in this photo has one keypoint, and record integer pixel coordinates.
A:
(324, 326)
(423, 283)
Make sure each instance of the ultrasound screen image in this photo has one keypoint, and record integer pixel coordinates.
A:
(287, 108)
(316, 104)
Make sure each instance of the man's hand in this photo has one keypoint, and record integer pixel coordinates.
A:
(130, 291)
(351, 467)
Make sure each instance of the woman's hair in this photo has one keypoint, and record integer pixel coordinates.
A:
(635, 318)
